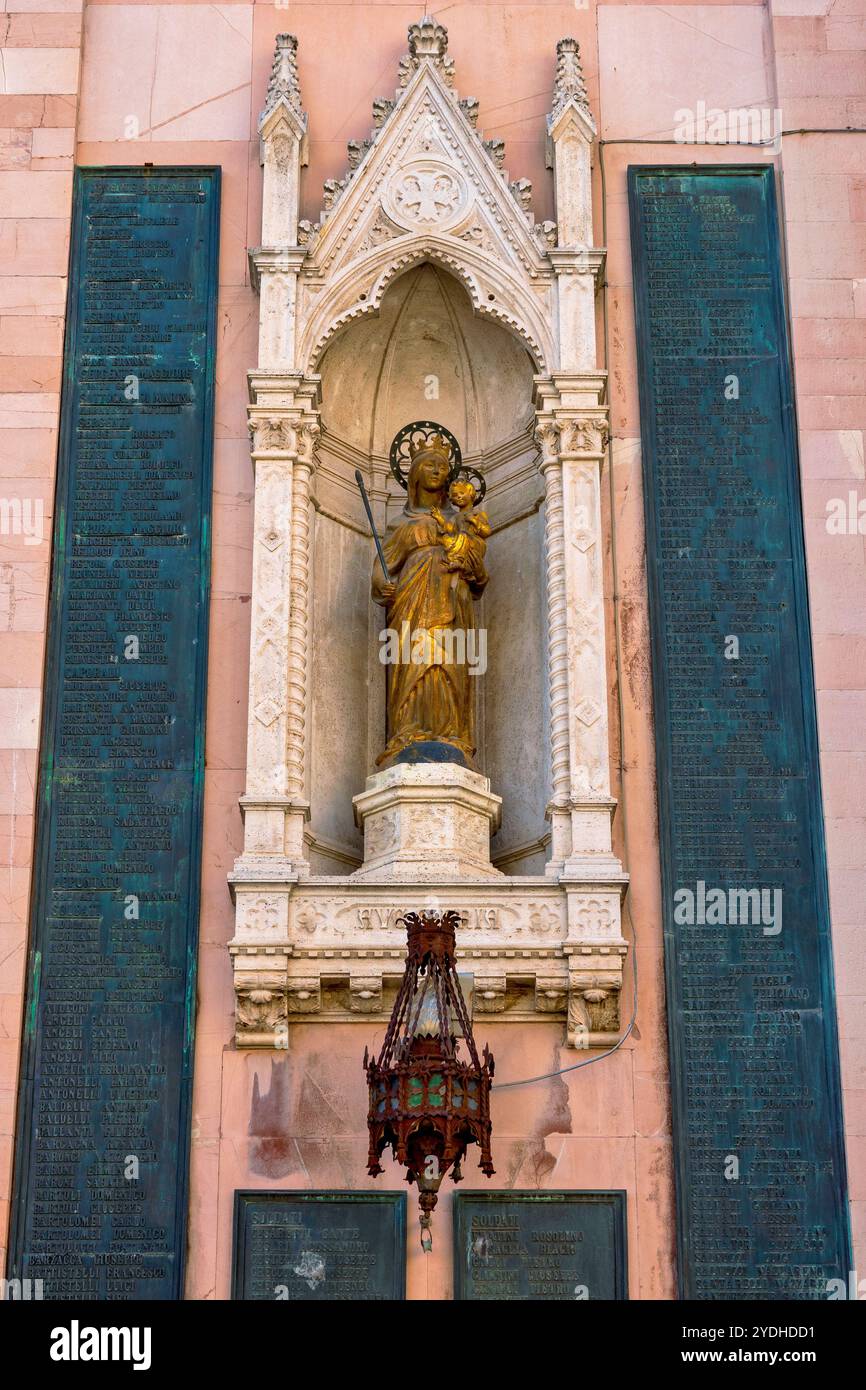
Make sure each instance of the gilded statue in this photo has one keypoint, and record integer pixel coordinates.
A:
(434, 553)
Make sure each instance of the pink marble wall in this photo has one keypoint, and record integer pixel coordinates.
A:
(821, 82)
(39, 72)
(193, 76)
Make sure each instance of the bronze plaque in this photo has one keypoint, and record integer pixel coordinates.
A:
(544, 1246)
(319, 1246)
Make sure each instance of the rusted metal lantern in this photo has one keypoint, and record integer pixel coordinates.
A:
(425, 1102)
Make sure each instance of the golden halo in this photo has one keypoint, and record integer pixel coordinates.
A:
(422, 434)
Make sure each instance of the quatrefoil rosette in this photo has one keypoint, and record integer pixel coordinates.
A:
(427, 195)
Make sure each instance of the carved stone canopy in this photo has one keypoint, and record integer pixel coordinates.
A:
(426, 187)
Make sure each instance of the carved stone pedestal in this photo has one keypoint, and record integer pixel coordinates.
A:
(426, 821)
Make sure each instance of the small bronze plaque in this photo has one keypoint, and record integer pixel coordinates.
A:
(319, 1246)
(545, 1246)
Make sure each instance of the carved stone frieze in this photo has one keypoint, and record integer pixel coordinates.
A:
(365, 993)
(535, 950)
(304, 993)
(489, 994)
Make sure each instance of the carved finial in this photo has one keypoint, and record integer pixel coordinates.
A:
(428, 39)
(428, 42)
(569, 84)
(283, 84)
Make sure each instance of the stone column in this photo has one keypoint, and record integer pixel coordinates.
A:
(284, 427)
(283, 420)
(572, 432)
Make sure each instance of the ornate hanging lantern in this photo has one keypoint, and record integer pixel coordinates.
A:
(425, 1102)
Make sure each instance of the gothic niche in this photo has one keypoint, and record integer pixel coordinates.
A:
(427, 292)
(427, 355)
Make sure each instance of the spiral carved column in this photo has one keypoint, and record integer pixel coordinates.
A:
(299, 614)
(547, 436)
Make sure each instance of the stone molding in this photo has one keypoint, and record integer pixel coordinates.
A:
(538, 951)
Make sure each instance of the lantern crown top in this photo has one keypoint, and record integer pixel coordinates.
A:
(431, 934)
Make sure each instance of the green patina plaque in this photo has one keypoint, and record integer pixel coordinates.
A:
(759, 1154)
(545, 1246)
(319, 1246)
(99, 1209)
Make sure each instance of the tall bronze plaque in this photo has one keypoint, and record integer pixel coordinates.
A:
(760, 1161)
(103, 1125)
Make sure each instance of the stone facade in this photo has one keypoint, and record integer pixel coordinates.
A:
(530, 221)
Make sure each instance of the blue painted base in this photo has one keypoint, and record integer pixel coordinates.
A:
(431, 751)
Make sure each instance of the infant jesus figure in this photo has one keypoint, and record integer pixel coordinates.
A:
(464, 538)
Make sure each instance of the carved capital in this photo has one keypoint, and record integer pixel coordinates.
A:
(587, 436)
(272, 434)
(308, 435)
(547, 437)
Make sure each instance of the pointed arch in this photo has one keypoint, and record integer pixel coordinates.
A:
(494, 290)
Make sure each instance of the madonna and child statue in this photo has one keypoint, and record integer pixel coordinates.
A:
(427, 576)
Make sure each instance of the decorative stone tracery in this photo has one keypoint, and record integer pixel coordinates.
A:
(426, 187)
